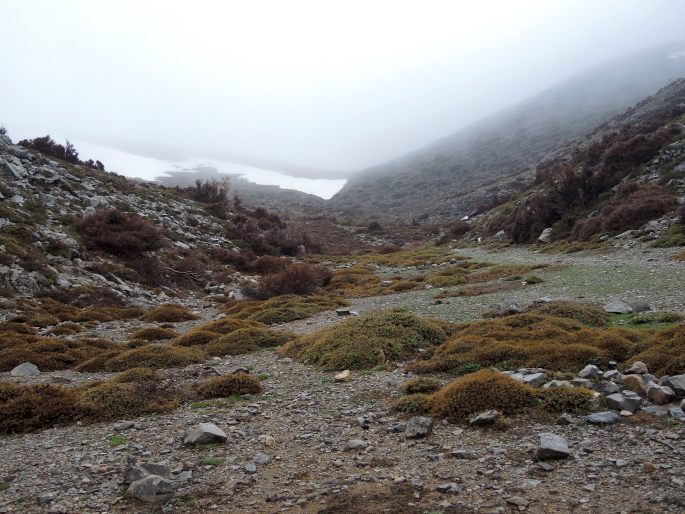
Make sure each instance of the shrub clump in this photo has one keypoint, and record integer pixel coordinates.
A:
(227, 385)
(368, 341)
(246, 340)
(297, 279)
(169, 313)
(115, 400)
(663, 352)
(282, 309)
(153, 356)
(421, 385)
(134, 375)
(584, 313)
(416, 403)
(120, 233)
(34, 407)
(153, 334)
(483, 390)
(557, 400)
(196, 337)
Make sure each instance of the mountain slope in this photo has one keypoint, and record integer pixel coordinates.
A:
(447, 178)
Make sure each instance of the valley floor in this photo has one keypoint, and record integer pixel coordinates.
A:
(637, 465)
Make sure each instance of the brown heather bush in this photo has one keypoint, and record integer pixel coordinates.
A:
(297, 279)
(557, 400)
(415, 403)
(530, 340)
(368, 341)
(153, 334)
(169, 313)
(246, 340)
(480, 391)
(455, 231)
(49, 354)
(195, 337)
(120, 233)
(421, 385)
(213, 193)
(228, 385)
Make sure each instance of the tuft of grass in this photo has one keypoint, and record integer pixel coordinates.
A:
(586, 314)
(153, 356)
(483, 390)
(169, 313)
(197, 337)
(282, 309)
(557, 400)
(135, 375)
(368, 341)
(211, 462)
(663, 352)
(116, 440)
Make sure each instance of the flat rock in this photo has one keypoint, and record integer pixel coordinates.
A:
(343, 376)
(621, 401)
(551, 446)
(590, 372)
(603, 418)
(677, 384)
(150, 489)
(635, 383)
(484, 419)
(27, 369)
(617, 307)
(205, 433)
(356, 444)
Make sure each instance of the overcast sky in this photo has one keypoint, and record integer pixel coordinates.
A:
(337, 85)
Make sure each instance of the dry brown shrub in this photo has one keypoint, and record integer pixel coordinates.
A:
(227, 385)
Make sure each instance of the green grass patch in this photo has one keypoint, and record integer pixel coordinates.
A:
(116, 440)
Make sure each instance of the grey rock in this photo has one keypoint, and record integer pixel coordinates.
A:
(565, 419)
(545, 236)
(637, 368)
(462, 454)
(582, 382)
(603, 418)
(205, 433)
(251, 468)
(13, 168)
(261, 458)
(355, 444)
(150, 489)
(612, 374)
(27, 369)
(660, 394)
(398, 426)
(418, 427)
(534, 379)
(677, 413)
(617, 307)
(590, 372)
(622, 401)
(677, 384)
(640, 306)
(659, 411)
(551, 446)
(606, 388)
(450, 487)
(557, 383)
(489, 417)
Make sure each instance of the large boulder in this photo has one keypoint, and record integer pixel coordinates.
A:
(660, 394)
(637, 367)
(623, 401)
(205, 433)
(677, 383)
(552, 446)
(590, 372)
(635, 383)
(545, 236)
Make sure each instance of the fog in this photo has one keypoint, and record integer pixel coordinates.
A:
(334, 86)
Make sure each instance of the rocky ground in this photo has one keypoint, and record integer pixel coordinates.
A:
(311, 444)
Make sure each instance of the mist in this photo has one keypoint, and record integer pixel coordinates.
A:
(317, 89)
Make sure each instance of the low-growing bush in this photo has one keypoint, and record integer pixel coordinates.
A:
(557, 400)
(421, 385)
(154, 356)
(195, 338)
(282, 309)
(120, 233)
(49, 354)
(41, 406)
(246, 340)
(368, 341)
(227, 385)
(153, 334)
(483, 390)
(227, 325)
(457, 229)
(134, 375)
(169, 313)
(299, 279)
(587, 314)
(663, 352)
(415, 403)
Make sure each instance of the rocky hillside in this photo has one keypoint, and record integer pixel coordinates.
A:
(496, 156)
(68, 229)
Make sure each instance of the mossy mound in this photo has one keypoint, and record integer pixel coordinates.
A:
(152, 356)
(33, 407)
(483, 390)
(226, 325)
(134, 375)
(49, 354)
(368, 341)
(246, 340)
(114, 400)
(169, 313)
(227, 385)
(586, 314)
(530, 340)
